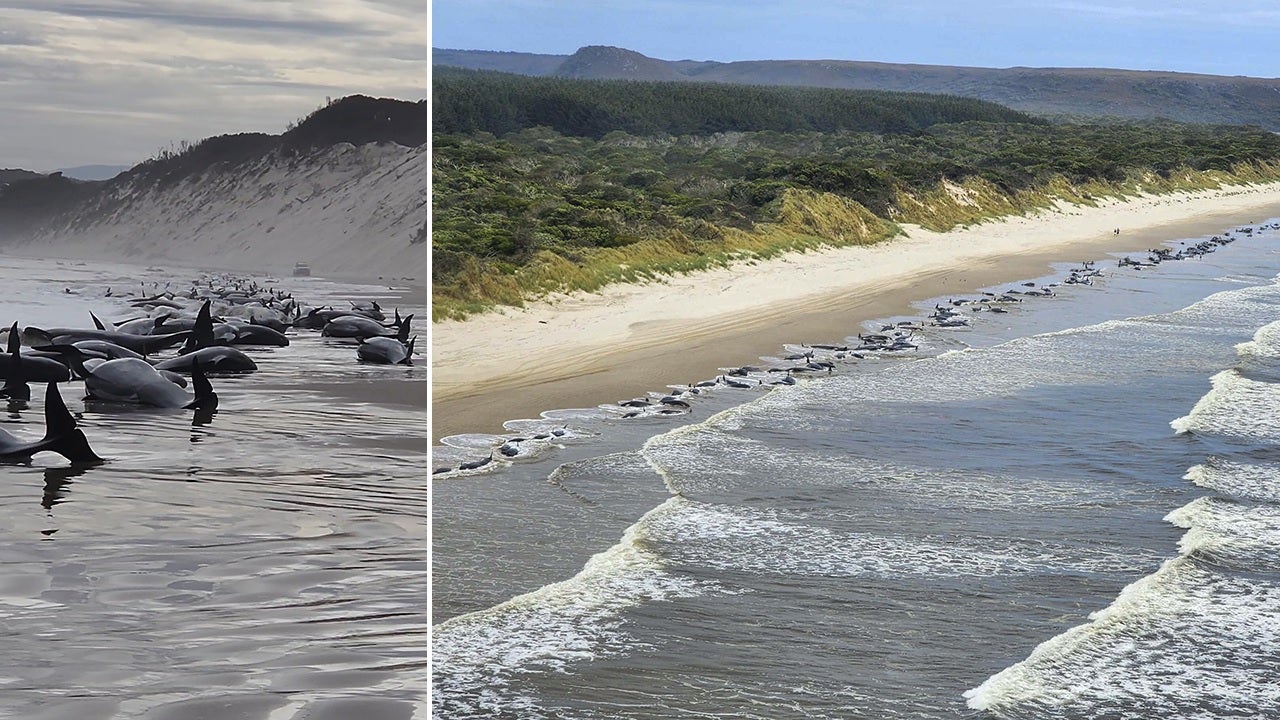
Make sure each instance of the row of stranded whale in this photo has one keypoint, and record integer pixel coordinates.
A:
(147, 360)
(892, 340)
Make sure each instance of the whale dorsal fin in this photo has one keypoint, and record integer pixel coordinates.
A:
(15, 385)
(206, 398)
(60, 432)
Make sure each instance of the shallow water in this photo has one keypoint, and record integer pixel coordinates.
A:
(271, 563)
(1064, 510)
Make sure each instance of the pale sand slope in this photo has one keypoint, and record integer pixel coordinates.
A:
(586, 349)
(349, 212)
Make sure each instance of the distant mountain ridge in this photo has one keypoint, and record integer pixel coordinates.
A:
(1077, 93)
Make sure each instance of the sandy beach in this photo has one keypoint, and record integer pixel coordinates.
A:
(586, 349)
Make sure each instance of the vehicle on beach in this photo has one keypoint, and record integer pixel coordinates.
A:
(301, 270)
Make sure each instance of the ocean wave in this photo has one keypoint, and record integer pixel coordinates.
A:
(1258, 481)
(766, 542)
(1241, 535)
(717, 458)
(482, 659)
(1188, 641)
(1242, 308)
(1236, 408)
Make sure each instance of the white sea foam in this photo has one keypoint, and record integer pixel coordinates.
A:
(1265, 342)
(1200, 638)
(1184, 642)
(1242, 534)
(481, 657)
(1253, 481)
(1236, 407)
(771, 542)
(1240, 308)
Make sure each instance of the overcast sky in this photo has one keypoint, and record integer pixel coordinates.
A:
(113, 81)
(1219, 37)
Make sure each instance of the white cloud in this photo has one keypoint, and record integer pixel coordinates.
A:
(139, 74)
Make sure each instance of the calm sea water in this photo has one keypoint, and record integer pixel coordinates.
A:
(1067, 510)
(269, 564)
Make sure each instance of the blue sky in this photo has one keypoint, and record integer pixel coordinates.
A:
(114, 81)
(1219, 38)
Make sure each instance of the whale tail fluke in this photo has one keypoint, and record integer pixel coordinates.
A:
(33, 335)
(403, 333)
(61, 434)
(408, 355)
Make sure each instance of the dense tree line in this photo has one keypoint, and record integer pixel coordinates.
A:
(501, 201)
(473, 100)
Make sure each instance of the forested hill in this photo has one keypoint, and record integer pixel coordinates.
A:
(470, 100)
(1072, 92)
(557, 184)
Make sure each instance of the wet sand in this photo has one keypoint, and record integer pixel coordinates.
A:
(587, 350)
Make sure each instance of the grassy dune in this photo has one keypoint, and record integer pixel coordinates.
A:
(806, 220)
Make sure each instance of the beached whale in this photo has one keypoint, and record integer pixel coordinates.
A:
(355, 326)
(217, 359)
(18, 369)
(317, 318)
(386, 351)
(141, 344)
(61, 435)
(251, 333)
(134, 381)
(108, 350)
(362, 328)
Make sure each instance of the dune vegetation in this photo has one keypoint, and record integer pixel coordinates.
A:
(545, 186)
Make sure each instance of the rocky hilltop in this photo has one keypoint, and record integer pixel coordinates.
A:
(1076, 93)
(345, 190)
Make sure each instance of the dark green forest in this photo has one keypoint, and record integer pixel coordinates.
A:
(475, 100)
(569, 174)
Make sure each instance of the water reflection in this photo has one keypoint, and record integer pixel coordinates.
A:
(202, 417)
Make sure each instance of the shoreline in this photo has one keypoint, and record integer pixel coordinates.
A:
(584, 350)
(409, 291)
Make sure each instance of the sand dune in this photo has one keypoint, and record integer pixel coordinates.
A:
(350, 212)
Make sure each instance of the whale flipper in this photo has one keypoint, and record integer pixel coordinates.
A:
(102, 325)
